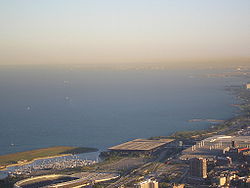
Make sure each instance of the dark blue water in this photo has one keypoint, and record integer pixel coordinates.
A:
(41, 107)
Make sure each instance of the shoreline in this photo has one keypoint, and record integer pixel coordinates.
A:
(210, 133)
(33, 160)
(217, 126)
(213, 130)
(28, 157)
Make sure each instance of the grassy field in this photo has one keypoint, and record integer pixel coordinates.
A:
(26, 156)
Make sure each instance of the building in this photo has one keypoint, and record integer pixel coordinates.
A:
(147, 184)
(219, 181)
(248, 86)
(52, 181)
(82, 179)
(215, 146)
(141, 146)
(179, 186)
(198, 167)
(223, 161)
(241, 182)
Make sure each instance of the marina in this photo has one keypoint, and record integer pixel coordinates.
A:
(57, 163)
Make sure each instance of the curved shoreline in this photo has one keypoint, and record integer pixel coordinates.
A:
(4, 168)
(28, 157)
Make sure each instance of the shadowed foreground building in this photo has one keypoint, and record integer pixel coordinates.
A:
(198, 167)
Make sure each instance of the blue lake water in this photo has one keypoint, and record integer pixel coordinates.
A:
(42, 107)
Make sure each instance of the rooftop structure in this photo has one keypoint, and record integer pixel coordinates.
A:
(141, 145)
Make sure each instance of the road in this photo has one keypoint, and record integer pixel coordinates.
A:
(150, 166)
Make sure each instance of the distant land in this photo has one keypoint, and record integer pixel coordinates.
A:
(21, 158)
(196, 64)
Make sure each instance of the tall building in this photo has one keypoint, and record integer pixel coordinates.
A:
(234, 145)
(198, 167)
(147, 184)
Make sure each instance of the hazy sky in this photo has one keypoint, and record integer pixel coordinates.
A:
(123, 31)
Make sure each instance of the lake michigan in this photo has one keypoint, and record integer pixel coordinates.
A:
(43, 107)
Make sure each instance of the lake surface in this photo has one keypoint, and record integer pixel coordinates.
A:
(42, 107)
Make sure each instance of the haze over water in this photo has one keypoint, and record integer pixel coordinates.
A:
(42, 107)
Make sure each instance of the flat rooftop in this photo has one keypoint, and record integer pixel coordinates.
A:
(141, 145)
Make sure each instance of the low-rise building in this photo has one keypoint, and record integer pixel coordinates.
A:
(222, 161)
(141, 146)
(219, 181)
(147, 184)
(215, 146)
